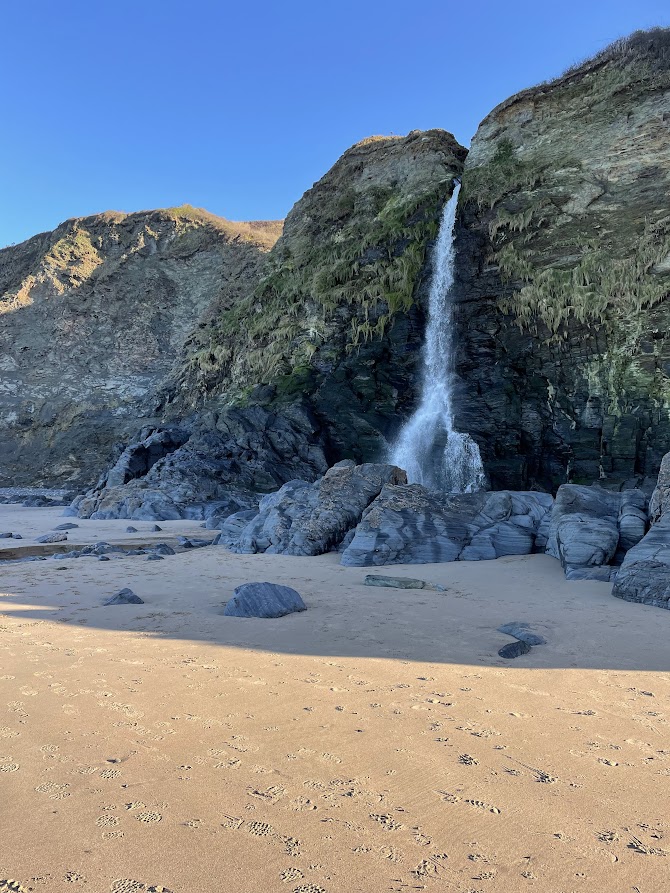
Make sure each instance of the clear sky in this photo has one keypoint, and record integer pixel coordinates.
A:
(239, 107)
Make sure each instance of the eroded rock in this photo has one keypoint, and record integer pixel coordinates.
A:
(412, 525)
(266, 600)
(310, 519)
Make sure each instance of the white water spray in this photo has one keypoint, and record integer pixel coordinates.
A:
(429, 449)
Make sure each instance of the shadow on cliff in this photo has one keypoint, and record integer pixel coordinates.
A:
(585, 627)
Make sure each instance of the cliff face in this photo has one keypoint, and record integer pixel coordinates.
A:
(564, 275)
(336, 320)
(92, 318)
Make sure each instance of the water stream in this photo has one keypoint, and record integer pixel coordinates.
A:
(428, 448)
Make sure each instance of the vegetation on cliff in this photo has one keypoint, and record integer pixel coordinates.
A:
(567, 186)
(348, 263)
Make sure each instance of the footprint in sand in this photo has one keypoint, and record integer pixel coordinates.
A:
(149, 818)
(10, 886)
(127, 885)
(387, 822)
(291, 874)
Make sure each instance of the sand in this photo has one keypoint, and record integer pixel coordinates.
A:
(375, 742)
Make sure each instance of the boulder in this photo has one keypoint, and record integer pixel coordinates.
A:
(592, 527)
(310, 519)
(644, 575)
(412, 525)
(124, 597)
(263, 600)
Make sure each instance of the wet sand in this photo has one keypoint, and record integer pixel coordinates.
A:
(375, 742)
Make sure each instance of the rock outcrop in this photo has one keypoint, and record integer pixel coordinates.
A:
(644, 575)
(310, 519)
(93, 317)
(412, 525)
(215, 471)
(592, 528)
(564, 274)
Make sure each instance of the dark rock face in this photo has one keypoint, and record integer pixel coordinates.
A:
(563, 257)
(93, 316)
(590, 526)
(310, 519)
(412, 525)
(264, 600)
(217, 471)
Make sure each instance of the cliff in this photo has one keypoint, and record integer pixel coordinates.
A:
(564, 275)
(337, 318)
(92, 317)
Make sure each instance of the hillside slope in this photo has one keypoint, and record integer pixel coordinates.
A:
(92, 318)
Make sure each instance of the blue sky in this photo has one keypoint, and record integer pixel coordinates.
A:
(240, 107)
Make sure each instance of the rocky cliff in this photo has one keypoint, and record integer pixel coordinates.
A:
(92, 318)
(564, 275)
(337, 319)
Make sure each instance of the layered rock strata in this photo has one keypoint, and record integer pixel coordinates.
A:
(564, 275)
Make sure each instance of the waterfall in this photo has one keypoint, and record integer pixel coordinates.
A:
(428, 448)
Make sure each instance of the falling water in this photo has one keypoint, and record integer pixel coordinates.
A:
(429, 449)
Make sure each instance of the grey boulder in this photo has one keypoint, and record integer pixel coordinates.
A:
(592, 527)
(412, 525)
(644, 575)
(124, 597)
(266, 600)
(310, 519)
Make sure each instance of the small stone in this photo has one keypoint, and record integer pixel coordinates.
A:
(401, 583)
(6, 536)
(155, 529)
(67, 526)
(124, 597)
(514, 649)
(103, 558)
(162, 549)
(52, 538)
(155, 558)
(131, 529)
(521, 631)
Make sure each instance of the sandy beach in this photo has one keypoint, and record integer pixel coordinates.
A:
(375, 742)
